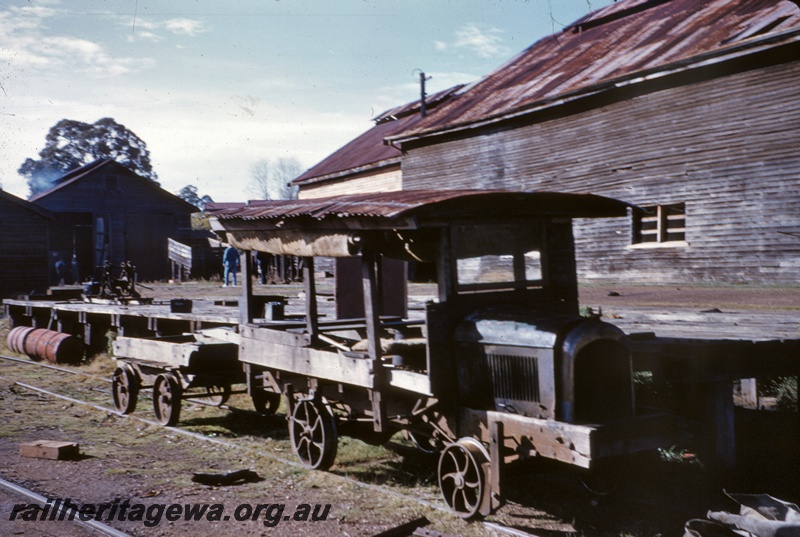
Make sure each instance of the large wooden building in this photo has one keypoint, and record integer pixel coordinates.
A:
(688, 109)
(106, 212)
(24, 246)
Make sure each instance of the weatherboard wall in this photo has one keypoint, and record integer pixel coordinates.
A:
(24, 243)
(726, 147)
(386, 181)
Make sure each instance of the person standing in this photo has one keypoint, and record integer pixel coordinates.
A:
(230, 265)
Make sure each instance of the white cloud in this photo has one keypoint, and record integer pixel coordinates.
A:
(30, 47)
(148, 30)
(189, 27)
(36, 12)
(486, 42)
(145, 35)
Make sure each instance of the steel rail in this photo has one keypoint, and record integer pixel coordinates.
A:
(197, 436)
(95, 525)
(108, 380)
(48, 366)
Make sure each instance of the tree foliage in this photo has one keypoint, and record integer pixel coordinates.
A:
(270, 181)
(71, 144)
(189, 194)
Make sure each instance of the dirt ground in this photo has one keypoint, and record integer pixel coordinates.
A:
(127, 460)
(740, 297)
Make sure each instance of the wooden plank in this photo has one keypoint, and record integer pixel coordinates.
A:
(410, 381)
(168, 353)
(312, 315)
(372, 309)
(551, 439)
(311, 363)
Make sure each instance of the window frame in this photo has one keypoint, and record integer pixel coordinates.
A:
(520, 280)
(659, 225)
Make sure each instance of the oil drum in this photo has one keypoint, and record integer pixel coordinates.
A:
(55, 347)
(16, 338)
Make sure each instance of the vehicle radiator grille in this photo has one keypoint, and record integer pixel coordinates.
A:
(514, 377)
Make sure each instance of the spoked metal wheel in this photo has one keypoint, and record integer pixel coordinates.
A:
(312, 429)
(218, 395)
(266, 403)
(125, 389)
(167, 399)
(463, 477)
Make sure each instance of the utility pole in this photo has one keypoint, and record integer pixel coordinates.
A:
(422, 95)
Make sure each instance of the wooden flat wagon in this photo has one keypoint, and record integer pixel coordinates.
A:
(175, 367)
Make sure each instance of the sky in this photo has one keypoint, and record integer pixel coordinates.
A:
(213, 86)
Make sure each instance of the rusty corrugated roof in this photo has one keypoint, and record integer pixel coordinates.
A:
(432, 204)
(619, 40)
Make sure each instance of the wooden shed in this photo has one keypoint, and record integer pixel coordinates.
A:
(106, 212)
(24, 246)
(687, 109)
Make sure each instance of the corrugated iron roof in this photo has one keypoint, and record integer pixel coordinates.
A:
(619, 40)
(435, 204)
(113, 167)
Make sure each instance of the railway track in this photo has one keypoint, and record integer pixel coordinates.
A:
(94, 527)
(95, 393)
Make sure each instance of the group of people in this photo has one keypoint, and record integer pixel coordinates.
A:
(67, 273)
(231, 266)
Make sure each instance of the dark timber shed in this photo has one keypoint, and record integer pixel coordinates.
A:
(106, 212)
(24, 244)
(688, 109)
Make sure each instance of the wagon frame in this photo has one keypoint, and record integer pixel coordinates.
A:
(373, 376)
(175, 368)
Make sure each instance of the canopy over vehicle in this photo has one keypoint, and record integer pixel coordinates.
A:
(336, 226)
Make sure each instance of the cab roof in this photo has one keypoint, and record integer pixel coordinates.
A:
(412, 209)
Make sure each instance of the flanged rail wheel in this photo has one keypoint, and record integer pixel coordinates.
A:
(266, 403)
(312, 429)
(463, 469)
(167, 399)
(125, 389)
(218, 395)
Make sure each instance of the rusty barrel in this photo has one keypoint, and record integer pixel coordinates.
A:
(55, 347)
(16, 338)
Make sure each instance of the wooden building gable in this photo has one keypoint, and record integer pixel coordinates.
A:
(109, 213)
(685, 109)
